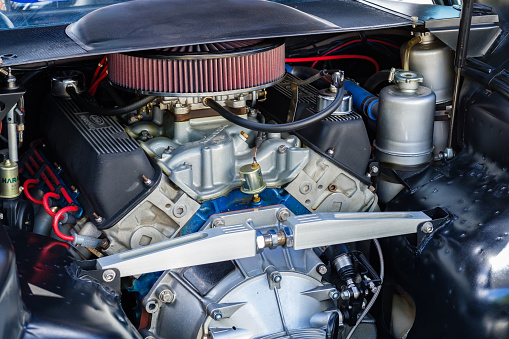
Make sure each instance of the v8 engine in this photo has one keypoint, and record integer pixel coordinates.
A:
(297, 184)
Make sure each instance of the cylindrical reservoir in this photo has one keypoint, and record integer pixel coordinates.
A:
(405, 121)
(9, 187)
(326, 97)
(435, 61)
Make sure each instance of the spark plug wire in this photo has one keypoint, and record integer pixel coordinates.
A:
(45, 202)
(26, 185)
(56, 219)
(336, 57)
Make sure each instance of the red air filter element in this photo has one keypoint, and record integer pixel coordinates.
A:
(200, 70)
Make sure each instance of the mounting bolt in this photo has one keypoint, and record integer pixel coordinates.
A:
(283, 214)
(167, 296)
(146, 180)
(282, 149)
(57, 166)
(334, 294)
(217, 315)
(321, 269)
(109, 275)
(345, 295)
(332, 188)
(218, 222)
(276, 277)
(105, 243)
(74, 190)
(98, 219)
(427, 227)
(330, 151)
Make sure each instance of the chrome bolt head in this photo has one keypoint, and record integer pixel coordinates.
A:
(276, 277)
(109, 275)
(218, 222)
(321, 269)
(334, 294)
(427, 227)
(283, 214)
(217, 315)
(345, 295)
(167, 296)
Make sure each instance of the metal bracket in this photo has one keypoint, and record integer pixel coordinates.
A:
(241, 240)
(8, 99)
(109, 278)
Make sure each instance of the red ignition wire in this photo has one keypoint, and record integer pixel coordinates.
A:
(336, 57)
(57, 217)
(45, 203)
(353, 42)
(95, 85)
(66, 195)
(98, 69)
(28, 183)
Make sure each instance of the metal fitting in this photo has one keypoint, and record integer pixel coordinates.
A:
(217, 315)
(276, 277)
(166, 296)
(146, 180)
(321, 269)
(288, 236)
(109, 275)
(179, 210)
(345, 295)
(273, 239)
(98, 219)
(334, 294)
(427, 227)
(218, 222)
(283, 214)
(282, 149)
(330, 151)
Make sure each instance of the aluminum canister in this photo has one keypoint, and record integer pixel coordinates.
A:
(435, 61)
(9, 183)
(405, 121)
(326, 97)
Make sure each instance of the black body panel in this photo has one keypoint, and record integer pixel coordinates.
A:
(60, 304)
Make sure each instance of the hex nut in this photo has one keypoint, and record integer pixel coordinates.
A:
(167, 296)
(283, 214)
(345, 295)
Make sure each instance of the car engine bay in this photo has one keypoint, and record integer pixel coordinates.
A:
(322, 185)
